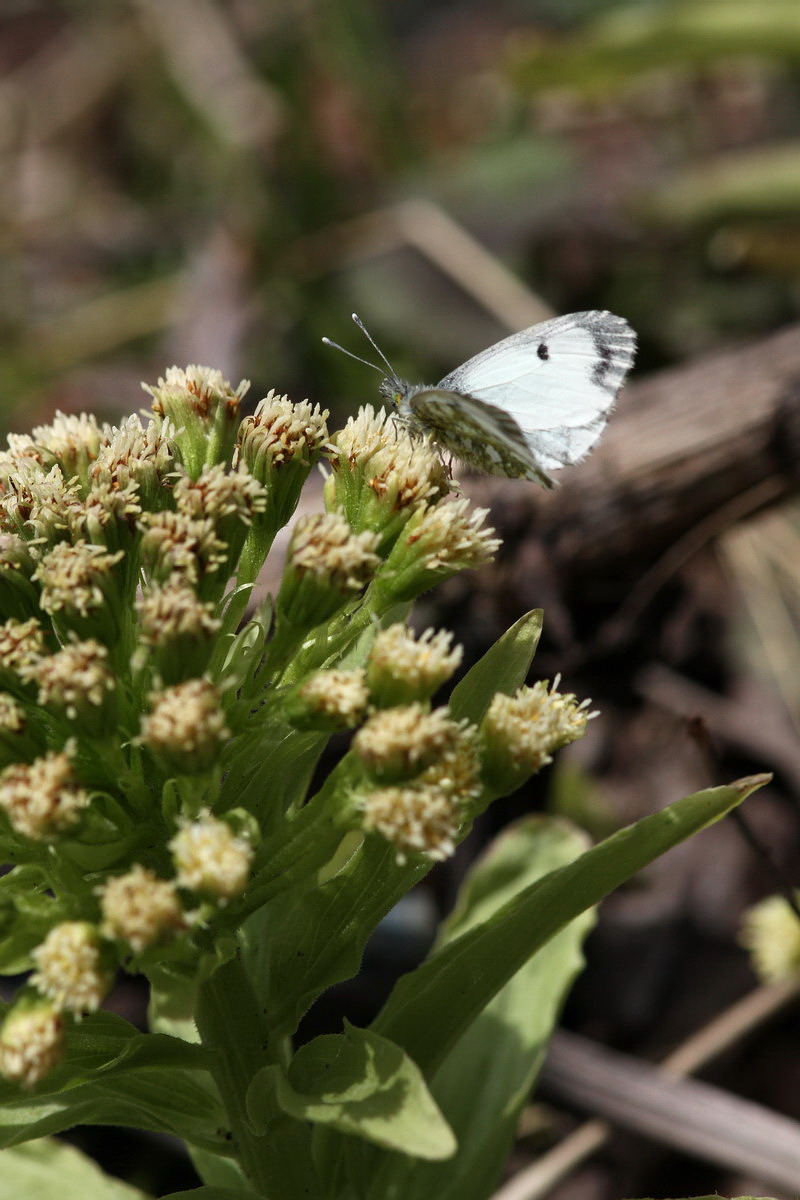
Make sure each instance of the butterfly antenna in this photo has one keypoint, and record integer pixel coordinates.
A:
(327, 341)
(373, 343)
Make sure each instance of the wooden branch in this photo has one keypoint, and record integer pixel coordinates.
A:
(691, 1116)
(725, 1030)
(681, 446)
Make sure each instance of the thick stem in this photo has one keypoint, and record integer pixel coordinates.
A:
(232, 1026)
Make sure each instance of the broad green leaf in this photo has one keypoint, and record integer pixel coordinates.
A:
(114, 1075)
(173, 1102)
(431, 1007)
(51, 1170)
(503, 668)
(301, 943)
(361, 1084)
(217, 1171)
(485, 1080)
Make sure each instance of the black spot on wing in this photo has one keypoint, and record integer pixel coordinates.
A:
(543, 351)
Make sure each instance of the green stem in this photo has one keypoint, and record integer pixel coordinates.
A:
(232, 1026)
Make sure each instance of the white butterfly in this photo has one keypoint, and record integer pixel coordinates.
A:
(530, 404)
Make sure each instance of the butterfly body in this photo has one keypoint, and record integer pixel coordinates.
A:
(530, 404)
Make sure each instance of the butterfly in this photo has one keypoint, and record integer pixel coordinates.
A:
(532, 403)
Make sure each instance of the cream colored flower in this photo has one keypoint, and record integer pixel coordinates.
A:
(75, 677)
(279, 432)
(31, 1042)
(398, 743)
(419, 819)
(520, 733)
(186, 725)
(403, 668)
(333, 699)
(203, 388)
(70, 969)
(140, 909)
(42, 798)
(76, 577)
(210, 858)
(771, 932)
(21, 647)
(172, 610)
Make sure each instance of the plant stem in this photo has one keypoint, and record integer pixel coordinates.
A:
(232, 1026)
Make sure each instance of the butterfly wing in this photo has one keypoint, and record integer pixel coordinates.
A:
(483, 435)
(557, 380)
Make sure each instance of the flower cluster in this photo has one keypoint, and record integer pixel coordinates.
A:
(157, 745)
(771, 932)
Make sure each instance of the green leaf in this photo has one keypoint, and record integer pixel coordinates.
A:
(503, 668)
(114, 1075)
(51, 1170)
(485, 1080)
(301, 943)
(488, 1075)
(361, 1084)
(431, 1007)
(217, 1171)
(213, 1193)
(170, 1102)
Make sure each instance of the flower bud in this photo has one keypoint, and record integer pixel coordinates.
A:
(71, 968)
(382, 475)
(22, 645)
(402, 669)
(436, 543)
(415, 819)
(72, 442)
(399, 743)
(177, 546)
(137, 455)
(140, 909)
(229, 499)
(278, 445)
(78, 682)
(327, 565)
(203, 409)
(42, 799)
(177, 630)
(31, 1041)
(107, 516)
(81, 590)
(186, 727)
(328, 701)
(771, 932)
(209, 858)
(520, 733)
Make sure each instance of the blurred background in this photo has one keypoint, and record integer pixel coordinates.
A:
(223, 183)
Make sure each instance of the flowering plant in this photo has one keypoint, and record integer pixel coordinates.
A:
(161, 811)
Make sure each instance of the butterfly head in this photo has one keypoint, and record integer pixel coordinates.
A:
(393, 390)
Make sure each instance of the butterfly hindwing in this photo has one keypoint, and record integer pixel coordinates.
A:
(483, 435)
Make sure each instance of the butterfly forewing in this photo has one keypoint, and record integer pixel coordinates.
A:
(558, 380)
